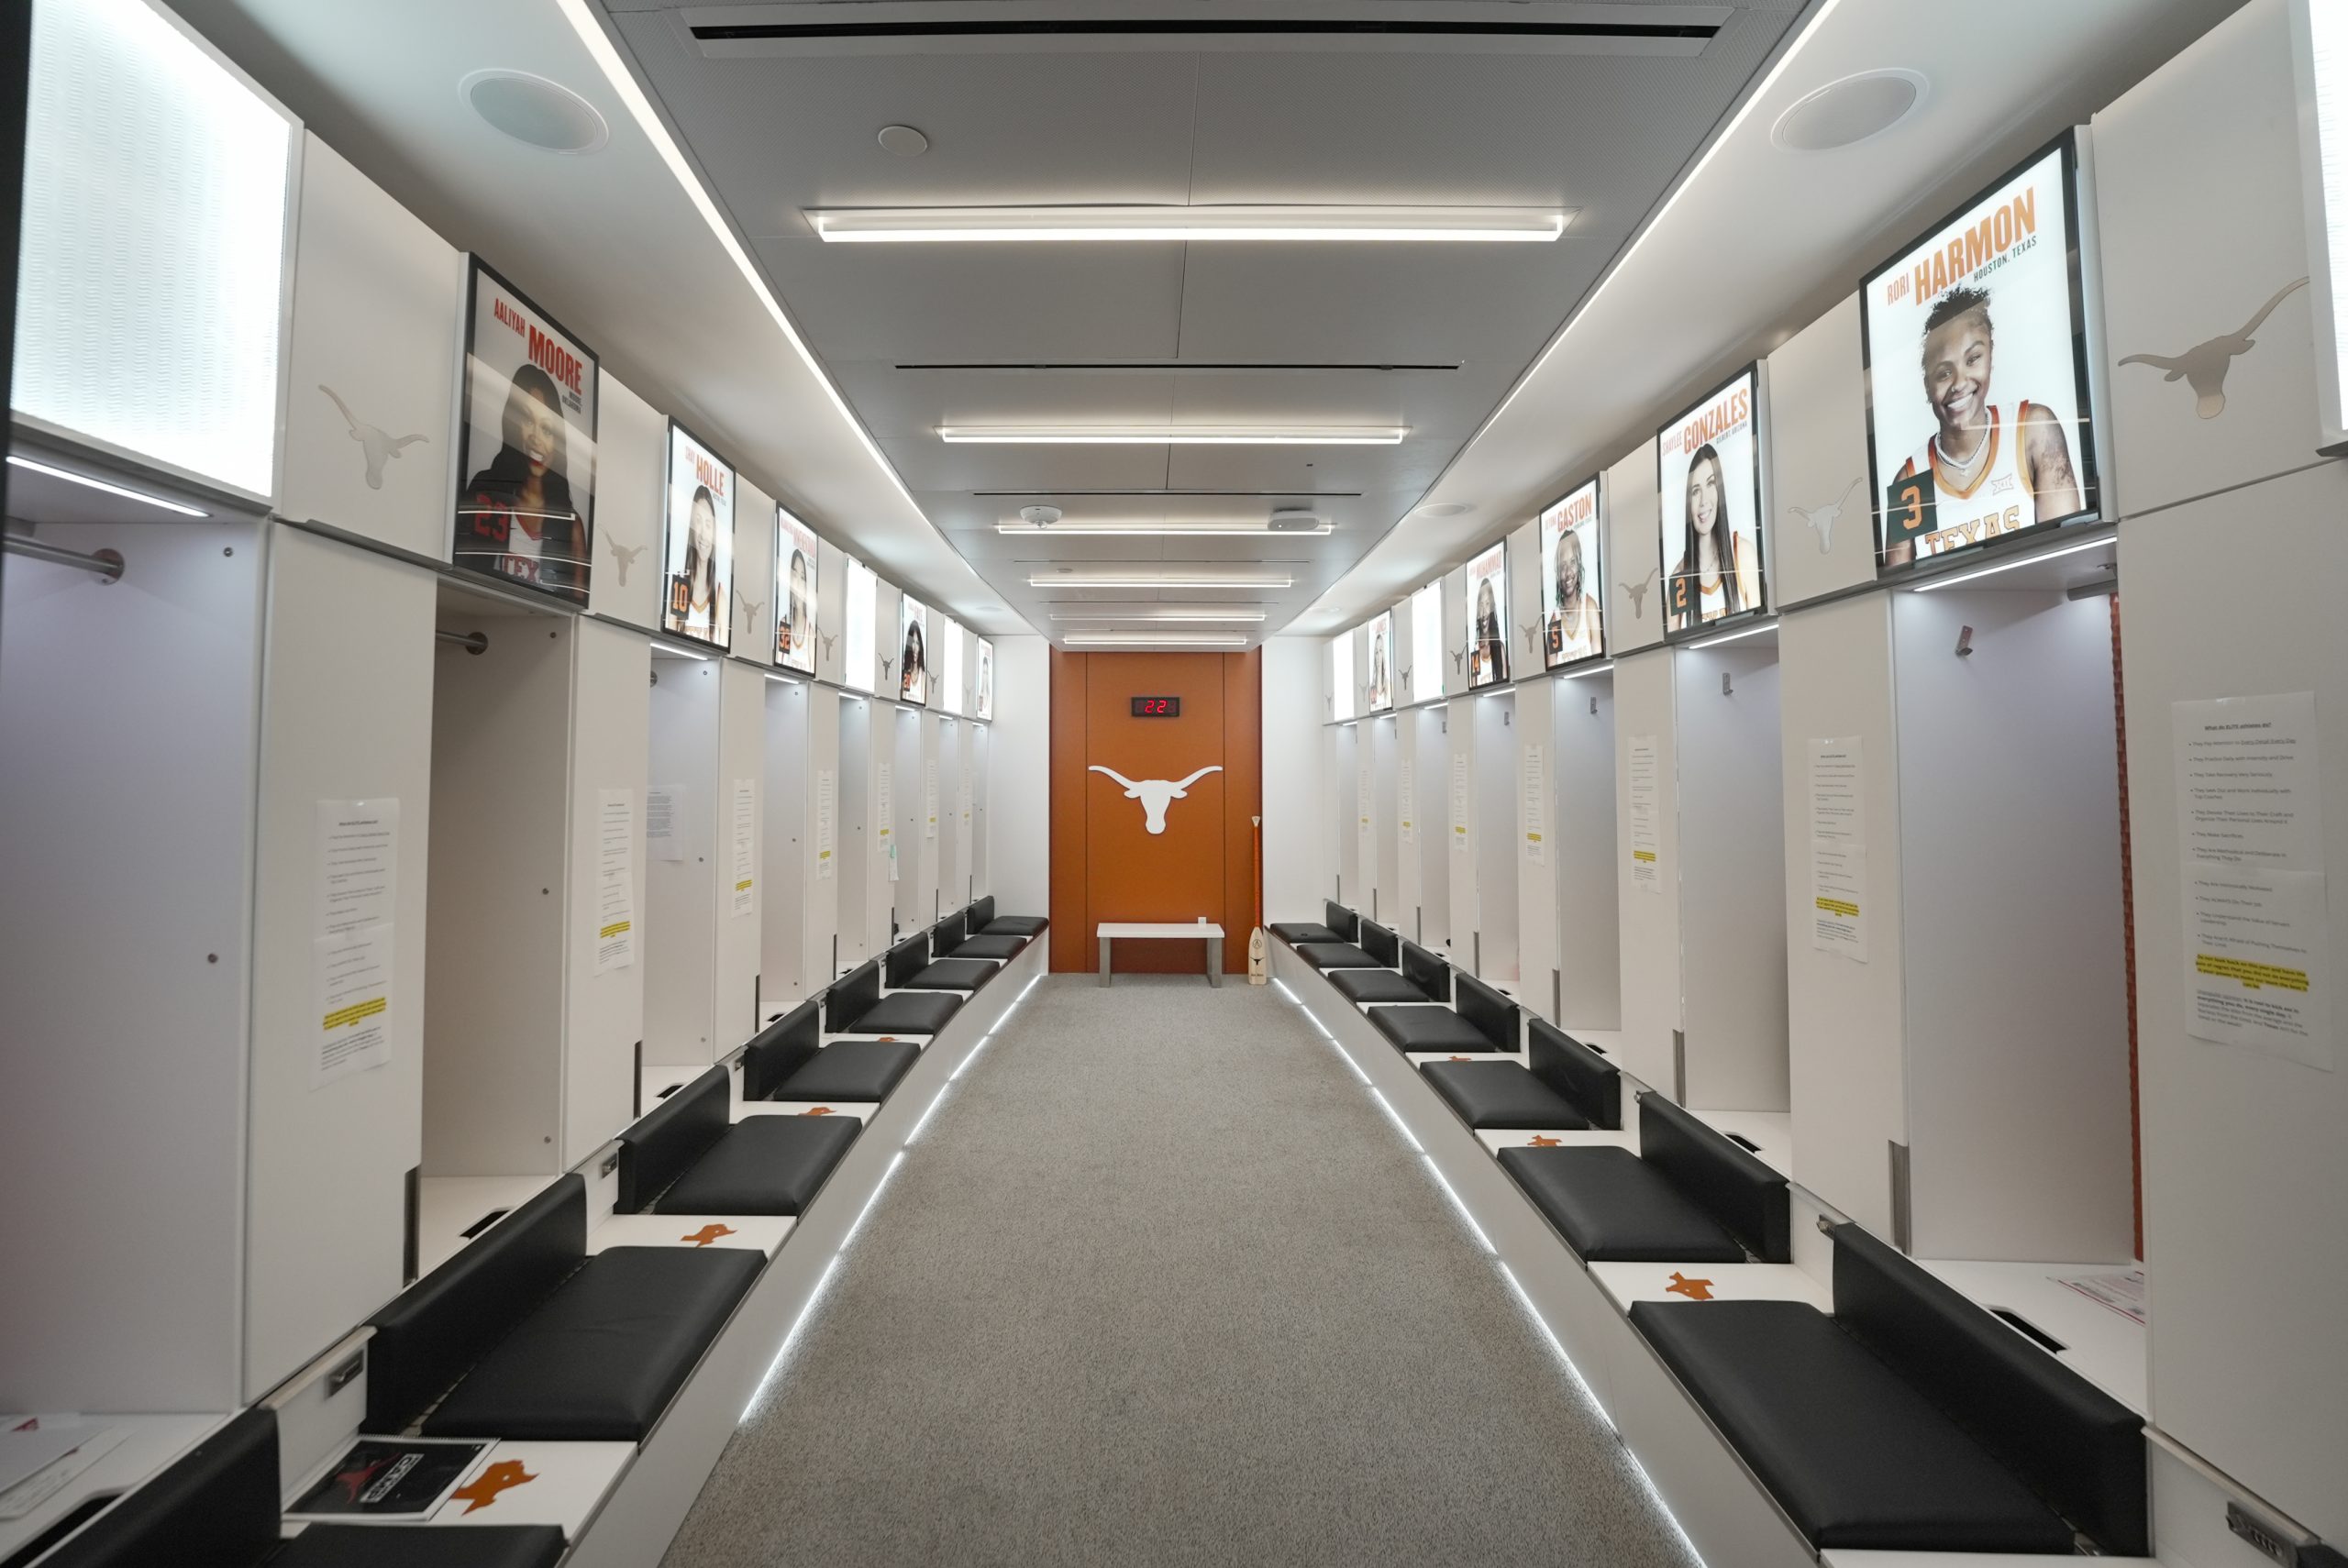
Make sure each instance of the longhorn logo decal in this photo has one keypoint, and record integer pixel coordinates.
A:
(379, 444)
(1821, 519)
(1639, 593)
(1156, 794)
(624, 554)
(485, 1488)
(2203, 367)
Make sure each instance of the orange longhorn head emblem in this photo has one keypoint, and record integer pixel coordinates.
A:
(1694, 1289)
(817, 1111)
(708, 1233)
(486, 1487)
(1542, 1141)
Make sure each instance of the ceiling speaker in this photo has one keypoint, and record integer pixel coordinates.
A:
(1845, 113)
(535, 111)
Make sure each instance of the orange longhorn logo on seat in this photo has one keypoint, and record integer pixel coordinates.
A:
(817, 1111)
(708, 1233)
(485, 1488)
(1541, 1141)
(1694, 1289)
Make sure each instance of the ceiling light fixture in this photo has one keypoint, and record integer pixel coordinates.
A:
(123, 491)
(1129, 576)
(1735, 637)
(1169, 615)
(1098, 530)
(1172, 435)
(1152, 640)
(1030, 226)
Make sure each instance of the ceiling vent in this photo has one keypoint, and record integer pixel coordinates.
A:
(1092, 26)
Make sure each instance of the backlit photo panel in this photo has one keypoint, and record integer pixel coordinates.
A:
(526, 461)
(1708, 478)
(794, 594)
(697, 559)
(1977, 373)
(1487, 617)
(1572, 575)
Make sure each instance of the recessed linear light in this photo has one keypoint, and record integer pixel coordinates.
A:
(1030, 226)
(1171, 615)
(1151, 640)
(1735, 637)
(2028, 560)
(1172, 435)
(1109, 530)
(123, 491)
(1131, 579)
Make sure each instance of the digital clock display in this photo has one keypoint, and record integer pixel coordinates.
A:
(1158, 707)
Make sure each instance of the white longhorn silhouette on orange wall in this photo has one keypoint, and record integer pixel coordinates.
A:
(1156, 794)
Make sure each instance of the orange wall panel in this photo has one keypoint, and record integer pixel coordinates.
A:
(1106, 863)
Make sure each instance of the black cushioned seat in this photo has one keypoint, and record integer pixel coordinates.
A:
(396, 1546)
(1856, 1455)
(1015, 925)
(1430, 1029)
(1363, 987)
(850, 1069)
(1002, 949)
(1500, 1095)
(1298, 933)
(600, 1359)
(1613, 1207)
(216, 1505)
(954, 974)
(765, 1164)
(907, 1013)
(1336, 955)
(1581, 1073)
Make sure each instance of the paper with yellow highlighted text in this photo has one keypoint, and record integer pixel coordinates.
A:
(350, 1002)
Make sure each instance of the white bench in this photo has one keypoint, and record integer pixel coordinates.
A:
(1167, 931)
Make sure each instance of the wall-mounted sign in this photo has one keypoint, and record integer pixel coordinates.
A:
(913, 657)
(984, 684)
(525, 453)
(697, 561)
(1382, 662)
(794, 594)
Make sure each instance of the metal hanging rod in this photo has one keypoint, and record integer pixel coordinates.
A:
(107, 564)
(471, 642)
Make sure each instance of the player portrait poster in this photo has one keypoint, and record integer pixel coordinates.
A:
(1572, 624)
(1708, 478)
(1382, 662)
(913, 658)
(1977, 373)
(697, 560)
(1487, 617)
(525, 453)
(794, 594)
(986, 680)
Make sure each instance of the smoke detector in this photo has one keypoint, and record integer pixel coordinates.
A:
(1041, 516)
(1294, 520)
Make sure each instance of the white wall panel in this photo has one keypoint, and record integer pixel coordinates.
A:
(1846, 1020)
(129, 710)
(1634, 554)
(1431, 827)
(1524, 656)
(683, 899)
(1015, 778)
(2017, 995)
(790, 888)
(1824, 534)
(2244, 1159)
(631, 487)
(2213, 132)
(605, 1016)
(1540, 988)
(1732, 876)
(741, 756)
(753, 591)
(1296, 874)
(1644, 698)
(371, 364)
(831, 613)
(1589, 910)
(1462, 831)
(326, 1209)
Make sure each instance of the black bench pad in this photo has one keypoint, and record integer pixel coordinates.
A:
(1613, 1207)
(765, 1164)
(851, 1069)
(1337, 956)
(1000, 948)
(1298, 933)
(907, 1013)
(1015, 925)
(414, 1546)
(1500, 1095)
(954, 974)
(1362, 986)
(1429, 1028)
(1855, 1456)
(601, 1358)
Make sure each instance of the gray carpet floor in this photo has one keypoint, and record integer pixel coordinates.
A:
(1160, 1284)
